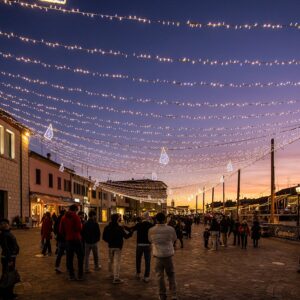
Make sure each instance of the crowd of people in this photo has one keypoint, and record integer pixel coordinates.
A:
(220, 227)
(78, 236)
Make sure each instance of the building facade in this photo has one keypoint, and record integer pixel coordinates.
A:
(50, 189)
(14, 166)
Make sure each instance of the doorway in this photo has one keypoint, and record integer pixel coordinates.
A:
(3, 204)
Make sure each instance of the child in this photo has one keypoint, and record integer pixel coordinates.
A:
(10, 250)
(206, 235)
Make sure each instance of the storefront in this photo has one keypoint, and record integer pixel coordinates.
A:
(40, 204)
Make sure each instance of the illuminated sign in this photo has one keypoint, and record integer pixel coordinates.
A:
(63, 2)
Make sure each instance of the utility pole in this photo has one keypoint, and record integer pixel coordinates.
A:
(238, 195)
(272, 182)
(203, 199)
(223, 195)
(212, 199)
(196, 204)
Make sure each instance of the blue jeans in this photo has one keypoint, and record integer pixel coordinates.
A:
(146, 250)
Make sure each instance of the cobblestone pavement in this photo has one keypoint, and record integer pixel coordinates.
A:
(268, 272)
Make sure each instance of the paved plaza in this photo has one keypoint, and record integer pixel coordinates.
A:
(268, 272)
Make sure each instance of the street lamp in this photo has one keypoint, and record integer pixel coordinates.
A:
(298, 212)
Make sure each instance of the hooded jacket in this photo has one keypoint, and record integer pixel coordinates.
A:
(70, 226)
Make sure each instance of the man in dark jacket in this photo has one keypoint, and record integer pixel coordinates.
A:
(91, 237)
(70, 228)
(10, 250)
(114, 235)
(224, 228)
(143, 246)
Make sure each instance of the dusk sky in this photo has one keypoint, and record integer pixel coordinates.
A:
(124, 108)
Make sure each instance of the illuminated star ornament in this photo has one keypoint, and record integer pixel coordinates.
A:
(164, 158)
(61, 168)
(154, 176)
(222, 177)
(229, 167)
(49, 133)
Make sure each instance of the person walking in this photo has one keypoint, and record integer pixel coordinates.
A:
(91, 237)
(224, 228)
(244, 232)
(255, 233)
(114, 235)
(61, 242)
(10, 250)
(236, 233)
(206, 235)
(70, 228)
(179, 233)
(143, 247)
(46, 233)
(162, 238)
(214, 233)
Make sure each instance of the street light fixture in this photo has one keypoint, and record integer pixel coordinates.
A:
(298, 212)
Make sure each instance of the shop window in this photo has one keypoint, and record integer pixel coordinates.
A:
(1, 140)
(50, 176)
(10, 144)
(37, 176)
(59, 183)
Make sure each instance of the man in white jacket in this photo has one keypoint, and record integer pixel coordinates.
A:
(162, 238)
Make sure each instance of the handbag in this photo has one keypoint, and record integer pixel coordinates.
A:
(9, 279)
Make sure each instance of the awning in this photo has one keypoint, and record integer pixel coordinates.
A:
(51, 200)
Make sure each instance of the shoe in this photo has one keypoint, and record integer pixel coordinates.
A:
(138, 275)
(146, 279)
(118, 281)
(58, 270)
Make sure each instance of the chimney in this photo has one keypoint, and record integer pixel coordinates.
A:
(49, 155)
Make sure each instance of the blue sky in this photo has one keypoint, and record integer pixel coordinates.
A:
(120, 152)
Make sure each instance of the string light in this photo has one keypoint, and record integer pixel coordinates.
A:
(178, 103)
(164, 158)
(152, 57)
(141, 80)
(143, 20)
(155, 115)
(61, 168)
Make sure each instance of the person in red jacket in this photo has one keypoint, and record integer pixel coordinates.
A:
(244, 232)
(70, 227)
(46, 233)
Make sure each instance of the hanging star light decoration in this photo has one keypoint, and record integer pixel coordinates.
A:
(164, 158)
(229, 167)
(49, 133)
(154, 176)
(61, 168)
(222, 179)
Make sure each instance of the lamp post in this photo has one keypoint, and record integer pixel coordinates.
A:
(298, 212)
